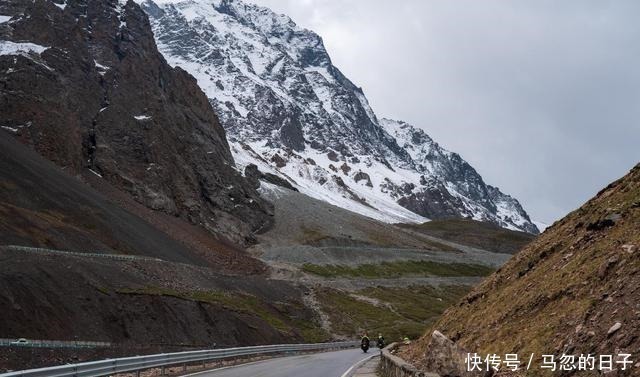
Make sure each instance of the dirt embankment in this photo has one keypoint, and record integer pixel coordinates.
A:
(574, 290)
(201, 292)
(48, 296)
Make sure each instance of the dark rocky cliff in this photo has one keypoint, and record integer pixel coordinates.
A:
(83, 83)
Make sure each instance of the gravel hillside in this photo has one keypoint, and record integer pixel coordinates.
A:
(573, 290)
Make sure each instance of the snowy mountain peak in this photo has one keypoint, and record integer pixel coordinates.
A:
(287, 109)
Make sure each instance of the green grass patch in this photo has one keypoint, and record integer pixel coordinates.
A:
(398, 269)
(400, 311)
(238, 302)
(419, 303)
(311, 332)
(283, 316)
(311, 235)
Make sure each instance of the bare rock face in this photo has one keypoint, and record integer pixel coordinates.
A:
(254, 176)
(362, 176)
(84, 85)
(443, 357)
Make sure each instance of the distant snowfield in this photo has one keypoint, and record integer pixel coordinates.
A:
(300, 174)
(541, 226)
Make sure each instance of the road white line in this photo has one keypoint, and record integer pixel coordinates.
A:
(356, 365)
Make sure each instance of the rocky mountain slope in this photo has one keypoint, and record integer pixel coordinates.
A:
(291, 112)
(573, 290)
(90, 266)
(87, 100)
(106, 149)
(84, 85)
(42, 206)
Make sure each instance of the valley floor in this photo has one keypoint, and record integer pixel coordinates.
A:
(363, 275)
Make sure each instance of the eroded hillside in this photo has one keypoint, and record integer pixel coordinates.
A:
(573, 290)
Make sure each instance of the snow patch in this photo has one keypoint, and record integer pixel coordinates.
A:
(102, 69)
(61, 6)
(12, 129)
(307, 179)
(13, 48)
(95, 172)
(120, 10)
(541, 226)
(17, 128)
(142, 117)
(4, 19)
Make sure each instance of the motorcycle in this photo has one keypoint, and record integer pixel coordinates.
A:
(364, 345)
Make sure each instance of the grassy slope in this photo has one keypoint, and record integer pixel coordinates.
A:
(279, 315)
(565, 290)
(475, 233)
(390, 311)
(300, 220)
(398, 269)
(52, 296)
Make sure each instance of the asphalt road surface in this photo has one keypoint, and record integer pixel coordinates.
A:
(326, 364)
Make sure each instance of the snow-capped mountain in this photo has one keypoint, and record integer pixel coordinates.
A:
(287, 109)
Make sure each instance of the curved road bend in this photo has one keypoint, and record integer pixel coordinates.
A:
(325, 364)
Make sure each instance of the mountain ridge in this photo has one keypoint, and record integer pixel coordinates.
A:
(287, 109)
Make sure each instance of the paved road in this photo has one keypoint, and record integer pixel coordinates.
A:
(368, 369)
(327, 364)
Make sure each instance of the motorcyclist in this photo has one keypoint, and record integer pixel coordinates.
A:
(380, 341)
(364, 342)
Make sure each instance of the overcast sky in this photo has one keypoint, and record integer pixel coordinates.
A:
(541, 97)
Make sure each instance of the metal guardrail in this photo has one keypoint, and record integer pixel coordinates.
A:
(40, 250)
(135, 364)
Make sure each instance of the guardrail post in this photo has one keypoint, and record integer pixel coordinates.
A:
(163, 371)
(184, 367)
(137, 373)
